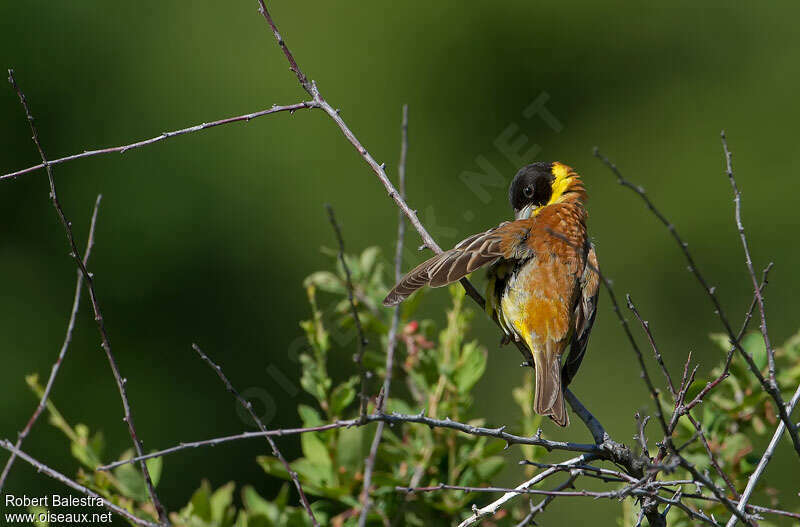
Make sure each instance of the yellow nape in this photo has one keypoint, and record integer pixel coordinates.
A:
(564, 176)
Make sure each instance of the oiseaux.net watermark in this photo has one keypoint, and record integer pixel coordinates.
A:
(53, 509)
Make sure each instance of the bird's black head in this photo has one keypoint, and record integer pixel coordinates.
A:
(531, 189)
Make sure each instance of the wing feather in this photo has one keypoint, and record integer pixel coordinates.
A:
(503, 241)
(584, 315)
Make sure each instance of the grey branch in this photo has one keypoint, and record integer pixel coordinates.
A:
(76, 301)
(369, 463)
(291, 108)
(362, 339)
(769, 387)
(89, 282)
(249, 408)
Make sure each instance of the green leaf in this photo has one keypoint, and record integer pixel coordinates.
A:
(349, 449)
(489, 467)
(315, 450)
(154, 466)
(325, 281)
(309, 416)
(130, 481)
(84, 450)
(470, 368)
(342, 396)
(369, 257)
(753, 343)
(722, 340)
(254, 504)
(201, 501)
(220, 502)
(272, 466)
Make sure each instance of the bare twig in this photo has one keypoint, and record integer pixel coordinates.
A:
(362, 339)
(390, 418)
(369, 464)
(729, 357)
(771, 389)
(718, 493)
(76, 301)
(758, 509)
(762, 464)
(89, 280)
(645, 376)
(509, 494)
(641, 436)
(711, 457)
(536, 509)
(737, 199)
(40, 467)
(291, 108)
(249, 408)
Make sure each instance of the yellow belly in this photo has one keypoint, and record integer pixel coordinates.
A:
(537, 302)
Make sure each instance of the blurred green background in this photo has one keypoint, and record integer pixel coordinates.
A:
(206, 238)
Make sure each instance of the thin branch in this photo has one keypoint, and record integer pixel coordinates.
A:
(711, 457)
(699, 428)
(653, 390)
(554, 493)
(41, 468)
(165, 135)
(362, 339)
(718, 493)
(771, 389)
(89, 279)
(762, 464)
(641, 436)
(751, 508)
(369, 464)
(528, 519)
(390, 418)
(76, 301)
(509, 494)
(737, 199)
(729, 358)
(249, 408)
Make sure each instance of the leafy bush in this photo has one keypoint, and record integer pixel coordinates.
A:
(436, 369)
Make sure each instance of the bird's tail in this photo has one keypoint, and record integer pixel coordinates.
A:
(549, 398)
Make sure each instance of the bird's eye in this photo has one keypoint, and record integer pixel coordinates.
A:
(528, 191)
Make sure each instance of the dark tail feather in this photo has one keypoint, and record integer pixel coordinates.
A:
(549, 399)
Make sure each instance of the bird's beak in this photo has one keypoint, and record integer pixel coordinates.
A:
(525, 212)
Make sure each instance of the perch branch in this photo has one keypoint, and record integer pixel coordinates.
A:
(76, 301)
(249, 408)
(391, 419)
(89, 281)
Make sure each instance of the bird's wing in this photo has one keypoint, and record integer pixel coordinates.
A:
(507, 240)
(585, 311)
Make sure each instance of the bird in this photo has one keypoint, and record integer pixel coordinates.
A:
(542, 279)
